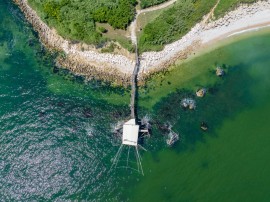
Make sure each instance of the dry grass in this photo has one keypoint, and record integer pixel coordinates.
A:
(119, 35)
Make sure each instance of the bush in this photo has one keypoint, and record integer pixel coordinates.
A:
(173, 23)
(76, 20)
(102, 30)
(149, 3)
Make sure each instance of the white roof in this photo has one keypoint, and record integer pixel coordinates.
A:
(130, 133)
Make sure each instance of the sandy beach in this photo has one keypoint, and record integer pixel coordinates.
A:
(244, 18)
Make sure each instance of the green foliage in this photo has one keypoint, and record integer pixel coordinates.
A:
(52, 10)
(173, 23)
(228, 5)
(118, 17)
(102, 29)
(109, 49)
(76, 20)
(127, 44)
(149, 3)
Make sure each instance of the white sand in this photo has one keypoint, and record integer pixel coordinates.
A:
(242, 19)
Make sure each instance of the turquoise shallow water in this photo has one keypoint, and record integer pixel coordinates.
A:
(57, 142)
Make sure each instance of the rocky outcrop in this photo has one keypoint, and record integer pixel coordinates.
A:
(78, 65)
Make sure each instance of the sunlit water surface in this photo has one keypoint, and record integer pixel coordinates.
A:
(56, 131)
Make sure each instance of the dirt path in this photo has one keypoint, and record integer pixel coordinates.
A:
(157, 7)
(133, 25)
(210, 14)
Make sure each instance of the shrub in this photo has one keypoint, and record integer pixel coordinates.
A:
(102, 29)
(76, 20)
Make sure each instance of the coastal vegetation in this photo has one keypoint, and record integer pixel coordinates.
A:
(228, 5)
(76, 20)
(149, 3)
(145, 18)
(173, 23)
(95, 22)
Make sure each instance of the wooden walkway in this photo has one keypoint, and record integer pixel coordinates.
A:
(134, 86)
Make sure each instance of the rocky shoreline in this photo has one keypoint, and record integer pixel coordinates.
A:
(86, 60)
(79, 66)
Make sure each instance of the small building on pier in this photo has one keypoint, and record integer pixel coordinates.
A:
(130, 138)
(130, 133)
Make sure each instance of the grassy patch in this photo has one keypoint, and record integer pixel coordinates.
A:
(127, 44)
(148, 17)
(121, 36)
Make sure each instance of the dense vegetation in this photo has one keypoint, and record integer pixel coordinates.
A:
(149, 3)
(228, 5)
(76, 19)
(173, 23)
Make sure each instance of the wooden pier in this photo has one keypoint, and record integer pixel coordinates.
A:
(134, 86)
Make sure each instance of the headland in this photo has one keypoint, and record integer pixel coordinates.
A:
(117, 67)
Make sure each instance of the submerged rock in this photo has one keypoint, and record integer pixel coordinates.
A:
(204, 126)
(146, 123)
(31, 42)
(87, 112)
(201, 92)
(219, 72)
(188, 103)
(172, 138)
(55, 70)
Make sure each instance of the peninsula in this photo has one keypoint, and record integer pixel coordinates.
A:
(161, 35)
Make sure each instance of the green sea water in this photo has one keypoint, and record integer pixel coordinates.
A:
(56, 139)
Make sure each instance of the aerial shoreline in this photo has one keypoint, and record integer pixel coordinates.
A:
(244, 18)
(87, 61)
